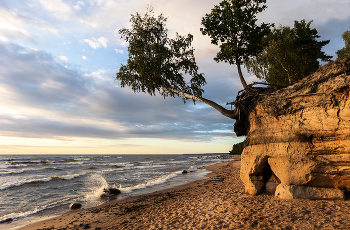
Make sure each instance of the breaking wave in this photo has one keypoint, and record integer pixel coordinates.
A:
(159, 180)
(38, 180)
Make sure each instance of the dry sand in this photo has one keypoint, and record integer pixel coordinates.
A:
(214, 203)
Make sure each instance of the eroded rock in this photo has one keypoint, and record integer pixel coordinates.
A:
(284, 191)
(301, 132)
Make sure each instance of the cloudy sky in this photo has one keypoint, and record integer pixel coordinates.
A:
(58, 59)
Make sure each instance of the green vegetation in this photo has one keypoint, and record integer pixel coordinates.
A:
(237, 149)
(156, 62)
(291, 54)
(232, 26)
(161, 65)
(344, 52)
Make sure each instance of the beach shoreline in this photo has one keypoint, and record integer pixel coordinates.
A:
(217, 202)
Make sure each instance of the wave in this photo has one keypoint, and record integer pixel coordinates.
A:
(38, 180)
(82, 159)
(150, 166)
(177, 162)
(16, 171)
(4, 165)
(96, 183)
(25, 170)
(112, 170)
(159, 180)
(121, 164)
(18, 215)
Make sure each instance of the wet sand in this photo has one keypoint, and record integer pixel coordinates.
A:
(218, 202)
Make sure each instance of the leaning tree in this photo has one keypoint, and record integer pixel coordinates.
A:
(157, 63)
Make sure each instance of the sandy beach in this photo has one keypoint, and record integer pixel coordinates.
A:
(217, 202)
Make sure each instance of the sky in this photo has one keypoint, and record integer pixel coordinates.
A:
(58, 60)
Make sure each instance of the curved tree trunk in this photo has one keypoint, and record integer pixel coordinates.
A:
(228, 113)
(244, 83)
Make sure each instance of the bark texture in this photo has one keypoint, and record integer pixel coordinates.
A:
(300, 133)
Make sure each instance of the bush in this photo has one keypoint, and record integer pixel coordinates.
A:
(237, 149)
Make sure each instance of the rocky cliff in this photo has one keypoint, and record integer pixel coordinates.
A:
(298, 135)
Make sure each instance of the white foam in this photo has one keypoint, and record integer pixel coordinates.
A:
(159, 180)
(96, 183)
(19, 182)
(122, 164)
(81, 159)
(4, 166)
(15, 216)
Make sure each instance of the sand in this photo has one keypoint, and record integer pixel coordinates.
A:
(218, 202)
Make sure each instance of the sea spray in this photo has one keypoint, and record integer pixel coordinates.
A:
(96, 182)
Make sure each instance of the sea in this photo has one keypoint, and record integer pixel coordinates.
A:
(37, 187)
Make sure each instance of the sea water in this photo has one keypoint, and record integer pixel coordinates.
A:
(37, 185)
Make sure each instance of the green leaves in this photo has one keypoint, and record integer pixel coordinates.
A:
(291, 54)
(157, 63)
(232, 26)
(344, 52)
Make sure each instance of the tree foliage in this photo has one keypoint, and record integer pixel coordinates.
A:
(156, 62)
(237, 149)
(344, 52)
(232, 26)
(291, 54)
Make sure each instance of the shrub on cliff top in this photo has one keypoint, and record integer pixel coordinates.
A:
(237, 149)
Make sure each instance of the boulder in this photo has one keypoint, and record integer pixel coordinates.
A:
(75, 205)
(300, 132)
(108, 192)
(6, 220)
(284, 191)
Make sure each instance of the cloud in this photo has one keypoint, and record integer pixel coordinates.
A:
(16, 26)
(79, 5)
(58, 8)
(63, 58)
(48, 100)
(97, 43)
(41, 97)
(118, 51)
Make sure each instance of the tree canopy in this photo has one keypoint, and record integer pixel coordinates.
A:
(232, 26)
(291, 54)
(160, 64)
(344, 52)
(156, 62)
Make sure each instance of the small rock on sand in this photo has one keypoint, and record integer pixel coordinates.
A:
(75, 205)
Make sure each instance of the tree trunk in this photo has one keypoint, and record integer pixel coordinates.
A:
(244, 83)
(228, 113)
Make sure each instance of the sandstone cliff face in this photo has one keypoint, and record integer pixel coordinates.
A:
(300, 133)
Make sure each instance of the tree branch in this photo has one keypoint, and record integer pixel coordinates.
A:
(222, 110)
